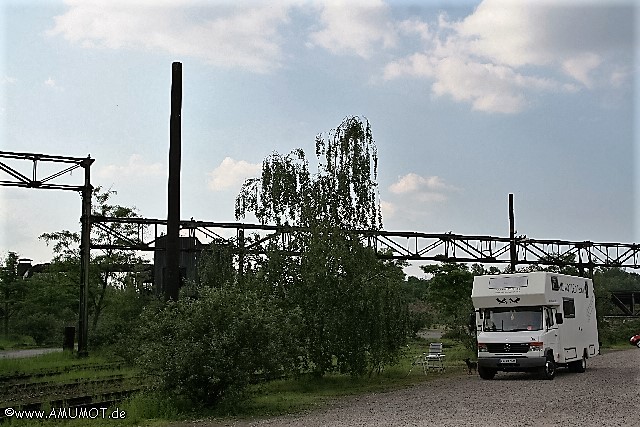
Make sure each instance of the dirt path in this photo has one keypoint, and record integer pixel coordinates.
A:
(15, 354)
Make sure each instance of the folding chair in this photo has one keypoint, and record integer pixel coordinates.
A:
(419, 360)
(435, 358)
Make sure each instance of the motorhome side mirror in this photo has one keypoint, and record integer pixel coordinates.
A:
(472, 321)
(559, 318)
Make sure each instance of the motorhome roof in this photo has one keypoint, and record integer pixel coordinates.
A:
(524, 289)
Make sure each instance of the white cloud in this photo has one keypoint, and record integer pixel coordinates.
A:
(226, 35)
(388, 209)
(580, 66)
(232, 173)
(53, 85)
(411, 183)
(135, 168)
(355, 27)
(619, 76)
(416, 65)
(423, 189)
(413, 196)
(8, 80)
(496, 57)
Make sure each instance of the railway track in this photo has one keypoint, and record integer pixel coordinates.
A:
(77, 386)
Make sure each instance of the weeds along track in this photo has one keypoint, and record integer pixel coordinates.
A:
(98, 385)
(21, 375)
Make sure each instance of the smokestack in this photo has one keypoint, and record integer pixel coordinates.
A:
(172, 253)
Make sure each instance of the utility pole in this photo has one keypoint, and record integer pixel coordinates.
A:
(512, 236)
(172, 253)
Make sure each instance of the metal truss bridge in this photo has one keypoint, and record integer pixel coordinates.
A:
(400, 245)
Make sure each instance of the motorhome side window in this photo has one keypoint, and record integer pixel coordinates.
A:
(568, 307)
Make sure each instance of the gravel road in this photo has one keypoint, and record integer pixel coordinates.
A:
(607, 394)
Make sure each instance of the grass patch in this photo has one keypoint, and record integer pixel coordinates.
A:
(273, 398)
(295, 395)
(57, 360)
(15, 343)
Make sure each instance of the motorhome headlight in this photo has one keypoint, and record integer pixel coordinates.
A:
(482, 347)
(536, 346)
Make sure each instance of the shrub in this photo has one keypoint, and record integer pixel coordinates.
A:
(208, 347)
(44, 328)
(617, 331)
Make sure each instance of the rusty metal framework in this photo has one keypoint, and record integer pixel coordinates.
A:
(256, 239)
(400, 245)
(21, 180)
(627, 301)
(48, 183)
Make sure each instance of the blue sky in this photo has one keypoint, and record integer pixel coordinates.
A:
(468, 101)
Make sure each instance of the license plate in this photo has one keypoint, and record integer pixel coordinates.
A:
(507, 360)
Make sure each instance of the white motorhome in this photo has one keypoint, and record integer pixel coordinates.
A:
(534, 322)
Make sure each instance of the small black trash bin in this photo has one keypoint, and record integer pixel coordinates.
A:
(69, 338)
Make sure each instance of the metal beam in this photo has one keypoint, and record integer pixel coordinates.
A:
(21, 180)
(411, 245)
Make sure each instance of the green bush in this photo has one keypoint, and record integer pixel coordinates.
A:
(44, 328)
(118, 319)
(212, 346)
(418, 320)
(617, 331)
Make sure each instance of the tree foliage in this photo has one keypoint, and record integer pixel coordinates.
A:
(354, 308)
(208, 347)
(50, 303)
(11, 289)
(41, 305)
(108, 268)
(352, 304)
(449, 293)
(555, 263)
(342, 194)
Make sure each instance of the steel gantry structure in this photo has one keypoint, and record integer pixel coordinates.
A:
(48, 182)
(245, 238)
(400, 245)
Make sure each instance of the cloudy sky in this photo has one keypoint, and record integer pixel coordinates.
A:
(468, 101)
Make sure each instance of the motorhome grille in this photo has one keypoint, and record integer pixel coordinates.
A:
(508, 348)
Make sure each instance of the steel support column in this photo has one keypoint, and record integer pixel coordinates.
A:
(85, 260)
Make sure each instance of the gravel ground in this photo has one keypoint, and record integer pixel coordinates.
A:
(607, 394)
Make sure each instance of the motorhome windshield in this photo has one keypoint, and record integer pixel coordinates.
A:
(511, 319)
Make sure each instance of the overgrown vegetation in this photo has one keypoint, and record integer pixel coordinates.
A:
(332, 320)
(41, 305)
(335, 307)
(207, 347)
